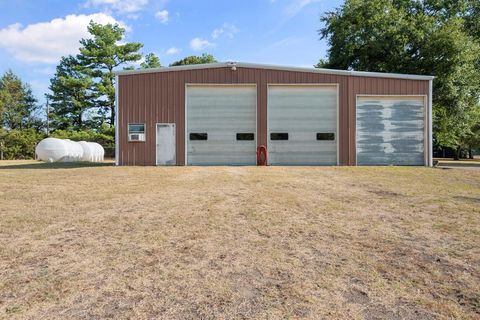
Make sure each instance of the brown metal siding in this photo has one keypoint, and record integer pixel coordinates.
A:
(153, 98)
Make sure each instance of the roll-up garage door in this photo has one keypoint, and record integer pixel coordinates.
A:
(221, 125)
(302, 125)
(390, 130)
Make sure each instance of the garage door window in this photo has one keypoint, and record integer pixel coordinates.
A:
(198, 136)
(325, 136)
(245, 136)
(278, 136)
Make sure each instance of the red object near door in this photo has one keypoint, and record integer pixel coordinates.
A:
(262, 155)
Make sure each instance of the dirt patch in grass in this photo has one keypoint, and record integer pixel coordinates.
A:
(355, 295)
(238, 242)
(468, 199)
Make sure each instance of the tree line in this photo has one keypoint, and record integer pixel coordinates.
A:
(432, 37)
(81, 101)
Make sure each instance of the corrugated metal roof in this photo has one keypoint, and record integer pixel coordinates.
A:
(275, 67)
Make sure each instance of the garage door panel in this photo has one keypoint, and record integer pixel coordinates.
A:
(400, 159)
(304, 148)
(302, 112)
(308, 158)
(209, 154)
(221, 112)
(198, 148)
(307, 137)
(221, 126)
(390, 130)
(289, 124)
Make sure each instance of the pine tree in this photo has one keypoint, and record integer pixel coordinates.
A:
(203, 59)
(18, 106)
(151, 61)
(72, 96)
(100, 55)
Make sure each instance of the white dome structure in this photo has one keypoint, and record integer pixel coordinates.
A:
(76, 151)
(65, 150)
(88, 151)
(92, 151)
(100, 152)
(52, 150)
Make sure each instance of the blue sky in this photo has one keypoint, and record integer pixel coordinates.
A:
(34, 34)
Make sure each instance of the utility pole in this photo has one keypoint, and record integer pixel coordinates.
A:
(48, 119)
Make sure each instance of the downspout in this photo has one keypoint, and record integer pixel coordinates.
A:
(430, 122)
(117, 142)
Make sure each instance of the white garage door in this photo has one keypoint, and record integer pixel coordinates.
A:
(221, 125)
(390, 130)
(302, 125)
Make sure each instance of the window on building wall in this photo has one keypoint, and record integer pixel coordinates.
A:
(326, 136)
(194, 136)
(278, 136)
(136, 132)
(245, 136)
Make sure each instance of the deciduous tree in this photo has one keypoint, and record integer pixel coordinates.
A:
(437, 37)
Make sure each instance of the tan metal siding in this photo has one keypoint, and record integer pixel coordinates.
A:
(160, 98)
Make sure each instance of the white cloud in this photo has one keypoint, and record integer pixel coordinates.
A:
(120, 6)
(172, 51)
(297, 5)
(198, 44)
(227, 29)
(46, 42)
(162, 16)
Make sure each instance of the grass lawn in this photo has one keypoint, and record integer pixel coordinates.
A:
(238, 242)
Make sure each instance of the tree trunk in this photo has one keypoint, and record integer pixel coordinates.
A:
(470, 154)
(112, 115)
(456, 153)
(112, 101)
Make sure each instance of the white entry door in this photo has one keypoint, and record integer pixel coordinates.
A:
(166, 144)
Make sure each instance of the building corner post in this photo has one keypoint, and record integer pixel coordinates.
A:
(430, 123)
(117, 142)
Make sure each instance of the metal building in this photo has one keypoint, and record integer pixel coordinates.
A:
(219, 114)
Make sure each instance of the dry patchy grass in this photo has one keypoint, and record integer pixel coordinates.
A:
(238, 242)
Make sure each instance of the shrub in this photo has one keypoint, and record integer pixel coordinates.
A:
(19, 144)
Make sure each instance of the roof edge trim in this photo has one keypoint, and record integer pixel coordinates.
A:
(277, 67)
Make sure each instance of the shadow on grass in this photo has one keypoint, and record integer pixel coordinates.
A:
(459, 164)
(58, 165)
